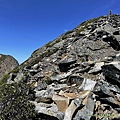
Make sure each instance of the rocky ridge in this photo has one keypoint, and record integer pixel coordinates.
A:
(77, 76)
(7, 63)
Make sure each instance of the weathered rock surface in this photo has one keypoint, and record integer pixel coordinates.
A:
(77, 76)
(7, 63)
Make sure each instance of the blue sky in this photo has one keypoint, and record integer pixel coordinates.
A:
(26, 25)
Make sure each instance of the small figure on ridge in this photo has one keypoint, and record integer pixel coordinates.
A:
(110, 12)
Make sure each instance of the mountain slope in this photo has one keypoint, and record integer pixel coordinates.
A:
(77, 76)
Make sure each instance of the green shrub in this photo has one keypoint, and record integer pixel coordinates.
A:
(86, 24)
(45, 54)
(4, 79)
(15, 70)
(14, 102)
(52, 43)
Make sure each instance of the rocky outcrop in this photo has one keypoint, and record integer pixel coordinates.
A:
(77, 76)
(7, 63)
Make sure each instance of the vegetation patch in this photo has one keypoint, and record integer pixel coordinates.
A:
(4, 79)
(86, 24)
(52, 43)
(15, 70)
(48, 81)
(45, 54)
(14, 102)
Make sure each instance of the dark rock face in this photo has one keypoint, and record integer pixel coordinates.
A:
(77, 76)
(7, 63)
(111, 73)
(64, 66)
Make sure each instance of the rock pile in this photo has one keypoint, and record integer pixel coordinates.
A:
(77, 76)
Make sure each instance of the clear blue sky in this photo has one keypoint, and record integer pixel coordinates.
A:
(26, 25)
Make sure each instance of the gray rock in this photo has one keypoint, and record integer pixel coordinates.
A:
(45, 93)
(49, 109)
(36, 66)
(86, 112)
(19, 77)
(41, 86)
(108, 93)
(70, 111)
(65, 64)
(116, 64)
(97, 67)
(60, 76)
(78, 102)
(87, 84)
(107, 37)
(33, 72)
(15, 78)
(75, 79)
(11, 78)
(106, 88)
(57, 87)
(111, 73)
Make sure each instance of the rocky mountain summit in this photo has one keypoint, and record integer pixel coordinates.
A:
(7, 63)
(76, 76)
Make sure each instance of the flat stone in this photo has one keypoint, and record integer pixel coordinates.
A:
(57, 87)
(45, 93)
(60, 76)
(82, 94)
(49, 109)
(97, 68)
(87, 84)
(86, 112)
(103, 87)
(61, 101)
(70, 110)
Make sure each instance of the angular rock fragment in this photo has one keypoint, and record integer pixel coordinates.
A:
(40, 86)
(49, 109)
(45, 93)
(97, 68)
(57, 87)
(60, 76)
(61, 101)
(69, 111)
(87, 84)
(86, 113)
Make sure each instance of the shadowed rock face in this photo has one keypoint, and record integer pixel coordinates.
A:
(77, 75)
(7, 63)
